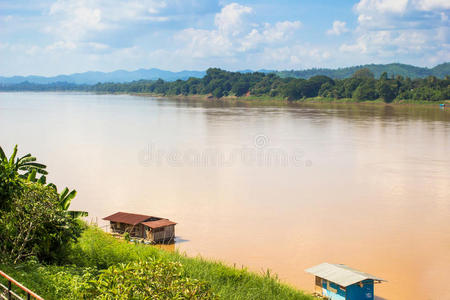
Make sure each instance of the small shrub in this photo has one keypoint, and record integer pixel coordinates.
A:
(151, 279)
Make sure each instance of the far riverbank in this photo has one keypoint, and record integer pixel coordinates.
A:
(263, 101)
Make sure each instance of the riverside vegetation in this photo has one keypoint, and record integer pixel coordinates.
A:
(49, 249)
(362, 86)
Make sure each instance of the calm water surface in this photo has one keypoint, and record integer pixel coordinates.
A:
(269, 188)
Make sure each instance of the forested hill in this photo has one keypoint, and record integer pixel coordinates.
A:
(395, 69)
(122, 76)
(361, 86)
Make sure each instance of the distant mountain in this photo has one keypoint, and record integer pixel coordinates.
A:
(95, 77)
(395, 69)
(440, 71)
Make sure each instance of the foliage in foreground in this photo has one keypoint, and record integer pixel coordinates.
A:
(34, 218)
(151, 279)
(97, 251)
(35, 226)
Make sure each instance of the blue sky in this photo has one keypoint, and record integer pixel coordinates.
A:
(50, 37)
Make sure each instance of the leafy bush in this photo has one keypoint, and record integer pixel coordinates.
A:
(150, 279)
(35, 226)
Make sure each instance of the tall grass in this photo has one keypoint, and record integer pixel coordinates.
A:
(97, 250)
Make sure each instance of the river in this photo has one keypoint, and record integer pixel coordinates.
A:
(268, 188)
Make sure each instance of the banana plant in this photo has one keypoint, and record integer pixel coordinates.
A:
(42, 180)
(30, 168)
(65, 198)
(25, 163)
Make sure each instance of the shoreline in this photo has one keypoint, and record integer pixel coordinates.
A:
(97, 251)
(263, 101)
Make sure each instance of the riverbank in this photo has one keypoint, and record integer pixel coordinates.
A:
(262, 101)
(97, 251)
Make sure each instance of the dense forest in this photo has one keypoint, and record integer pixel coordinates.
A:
(217, 83)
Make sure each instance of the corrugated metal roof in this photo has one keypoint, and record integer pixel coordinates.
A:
(340, 274)
(159, 223)
(127, 218)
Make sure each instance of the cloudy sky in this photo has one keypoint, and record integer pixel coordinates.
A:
(49, 37)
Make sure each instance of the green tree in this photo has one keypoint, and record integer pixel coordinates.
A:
(34, 220)
(240, 88)
(366, 91)
(363, 73)
(385, 90)
(293, 89)
(36, 226)
(218, 92)
(326, 90)
(312, 87)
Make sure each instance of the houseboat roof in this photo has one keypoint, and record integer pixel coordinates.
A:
(341, 274)
(127, 218)
(158, 223)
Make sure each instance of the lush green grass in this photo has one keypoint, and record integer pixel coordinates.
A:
(97, 250)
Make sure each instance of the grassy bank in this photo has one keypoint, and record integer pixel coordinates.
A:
(262, 101)
(96, 251)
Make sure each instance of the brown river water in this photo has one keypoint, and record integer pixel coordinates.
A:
(268, 188)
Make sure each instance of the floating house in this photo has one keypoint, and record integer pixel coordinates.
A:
(339, 282)
(148, 228)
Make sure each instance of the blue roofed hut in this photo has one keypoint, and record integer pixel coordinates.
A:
(339, 282)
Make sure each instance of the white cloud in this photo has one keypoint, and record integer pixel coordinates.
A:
(385, 9)
(338, 28)
(383, 6)
(75, 20)
(428, 5)
(280, 31)
(293, 57)
(61, 45)
(390, 43)
(388, 28)
(78, 17)
(76, 35)
(268, 34)
(230, 20)
(233, 34)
